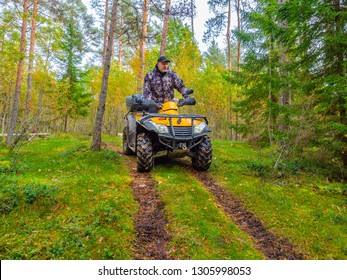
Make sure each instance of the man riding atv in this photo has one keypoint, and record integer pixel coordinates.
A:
(154, 127)
(159, 83)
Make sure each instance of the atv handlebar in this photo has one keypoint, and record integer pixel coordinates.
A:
(188, 92)
(151, 104)
(182, 102)
(187, 101)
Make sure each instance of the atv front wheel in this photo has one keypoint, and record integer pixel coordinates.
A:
(203, 155)
(144, 153)
(126, 149)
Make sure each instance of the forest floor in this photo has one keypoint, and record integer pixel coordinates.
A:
(59, 200)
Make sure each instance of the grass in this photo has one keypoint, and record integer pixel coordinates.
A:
(303, 207)
(60, 200)
(199, 229)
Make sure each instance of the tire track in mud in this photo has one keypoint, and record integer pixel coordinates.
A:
(272, 246)
(150, 223)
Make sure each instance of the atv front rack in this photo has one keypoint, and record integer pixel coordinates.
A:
(179, 137)
(171, 116)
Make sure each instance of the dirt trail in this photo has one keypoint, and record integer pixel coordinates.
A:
(150, 222)
(273, 247)
(151, 225)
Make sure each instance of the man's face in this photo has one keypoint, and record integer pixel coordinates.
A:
(163, 66)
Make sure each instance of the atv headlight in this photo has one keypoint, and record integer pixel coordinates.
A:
(199, 128)
(160, 127)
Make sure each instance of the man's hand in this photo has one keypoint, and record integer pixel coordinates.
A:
(159, 105)
(188, 92)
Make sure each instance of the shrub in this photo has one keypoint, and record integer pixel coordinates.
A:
(9, 198)
(33, 192)
(5, 166)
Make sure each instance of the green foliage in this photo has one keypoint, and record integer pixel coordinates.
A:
(9, 198)
(5, 166)
(70, 203)
(303, 53)
(183, 52)
(215, 56)
(12, 196)
(33, 192)
(73, 99)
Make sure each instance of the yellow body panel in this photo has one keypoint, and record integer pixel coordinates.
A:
(138, 115)
(170, 108)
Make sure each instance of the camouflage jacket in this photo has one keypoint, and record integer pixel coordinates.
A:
(160, 87)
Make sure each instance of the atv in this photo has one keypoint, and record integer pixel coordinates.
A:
(155, 130)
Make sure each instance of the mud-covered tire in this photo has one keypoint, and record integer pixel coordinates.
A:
(126, 149)
(144, 152)
(203, 155)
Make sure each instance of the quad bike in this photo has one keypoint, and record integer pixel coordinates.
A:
(165, 133)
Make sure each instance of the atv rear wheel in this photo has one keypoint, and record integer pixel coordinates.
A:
(144, 153)
(203, 155)
(126, 149)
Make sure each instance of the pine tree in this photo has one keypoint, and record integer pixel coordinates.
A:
(96, 144)
(15, 106)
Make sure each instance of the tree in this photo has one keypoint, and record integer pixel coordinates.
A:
(192, 7)
(96, 144)
(294, 64)
(9, 55)
(222, 19)
(285, 95)
(73, 44)
(143, 38)
(31, 57)
(165, 27)
(14, 114)
(215, 55)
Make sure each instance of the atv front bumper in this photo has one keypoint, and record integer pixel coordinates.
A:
(177, 137)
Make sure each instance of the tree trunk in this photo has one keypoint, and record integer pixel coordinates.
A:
(65, 123)
(238, 57)
(228, 35)
(271, 98)
(229, 68)
(192, 16)
(285, 96)
(96, 145)
(239, 28)
(340, 52)
(14, 114)
(39, 111)
(142, 43)
(120, 46)
(105, 31)
(165, 27)
(31, 58)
